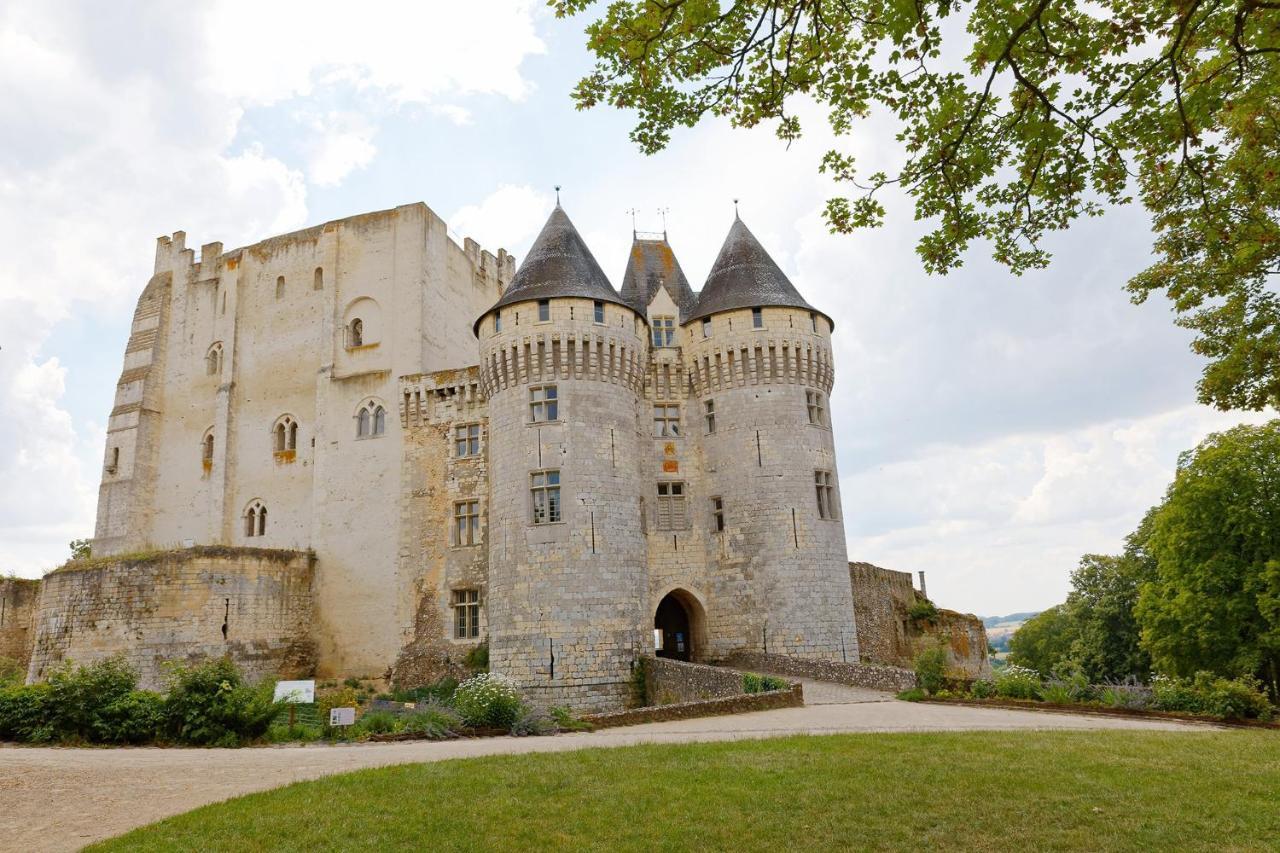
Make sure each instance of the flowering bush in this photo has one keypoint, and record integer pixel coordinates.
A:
(1018, 682)
(209, 705)
(1238, 698)
(931, 669)
(983, 688)
(488, 700)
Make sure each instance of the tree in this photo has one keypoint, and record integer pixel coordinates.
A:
(81, 548)
(1044, 641)
(1107, 645)
(1214, 601)
(1058, 110)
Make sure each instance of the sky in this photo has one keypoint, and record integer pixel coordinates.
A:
(990, 429)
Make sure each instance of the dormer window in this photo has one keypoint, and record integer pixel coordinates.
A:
(706, 327)
(599, 309)
(664, 331)
(497, 321)
(757, 318)
(544, 310)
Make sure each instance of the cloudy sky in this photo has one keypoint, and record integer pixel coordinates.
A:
(990, 429)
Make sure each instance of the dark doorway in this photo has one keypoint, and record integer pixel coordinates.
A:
(672, 636)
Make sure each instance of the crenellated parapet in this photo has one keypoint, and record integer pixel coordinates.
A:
(734, 353)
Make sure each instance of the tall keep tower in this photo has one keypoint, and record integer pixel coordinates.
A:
(562, 362)
(760, 366)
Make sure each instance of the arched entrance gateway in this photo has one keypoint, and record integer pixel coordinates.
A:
(677, 626)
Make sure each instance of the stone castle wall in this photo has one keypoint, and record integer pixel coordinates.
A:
(887, 634)
(18, 599)
(253, 605)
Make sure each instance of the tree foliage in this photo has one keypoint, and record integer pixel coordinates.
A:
(1044, 641)
(1214, 601)
(1042, 112)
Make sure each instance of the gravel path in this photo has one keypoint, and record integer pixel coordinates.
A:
(62, 799)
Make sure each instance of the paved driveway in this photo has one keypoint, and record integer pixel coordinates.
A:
(62, 799)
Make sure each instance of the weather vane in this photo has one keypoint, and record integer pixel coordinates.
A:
(735, 208)
(663, 212)
(557, 195)
(632, 211)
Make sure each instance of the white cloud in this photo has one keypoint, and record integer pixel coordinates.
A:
(341, 143)
(509, 217)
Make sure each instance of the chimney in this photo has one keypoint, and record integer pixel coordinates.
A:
(922, 589)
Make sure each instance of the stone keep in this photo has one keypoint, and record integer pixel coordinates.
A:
(374, 394)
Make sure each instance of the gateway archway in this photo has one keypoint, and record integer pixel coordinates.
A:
(678, 626)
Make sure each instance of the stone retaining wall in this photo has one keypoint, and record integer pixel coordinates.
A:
(189, 605)
(889, 678)
(668, 682)
(793, 697)
(18, 599)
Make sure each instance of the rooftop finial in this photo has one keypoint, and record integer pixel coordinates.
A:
(663, 211)
(632, 211)
(735, 209)
(557, 195)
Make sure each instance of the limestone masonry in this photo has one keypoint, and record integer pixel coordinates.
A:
(361, 449)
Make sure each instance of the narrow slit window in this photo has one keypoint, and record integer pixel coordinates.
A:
(280, 287)
(544, 310)
(709, 413)
(757, 318)
(599, 311)
(318, 282)
(717, 513)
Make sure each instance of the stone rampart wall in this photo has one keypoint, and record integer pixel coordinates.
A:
(872, 677)
(669, 682)
(18, 599)
(254, 605)
(744, 703)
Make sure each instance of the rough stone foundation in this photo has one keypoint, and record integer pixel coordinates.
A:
(870, 676)
(18, 599)
(254, 605)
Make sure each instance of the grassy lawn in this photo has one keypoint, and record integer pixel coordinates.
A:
(961, 791)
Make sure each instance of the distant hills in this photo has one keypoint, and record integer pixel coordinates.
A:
(1001, 628)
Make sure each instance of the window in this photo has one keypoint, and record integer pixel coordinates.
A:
(318, 282)
(599, 306)
(255, 520)
(666, 420)
(466, 612)
(757, 318)
(280, 287)
(466, 440)
(466, 523)
(497, 321)
(286, 434)
(356, 334)
(664, 331)
(826, 495)
(717, 513)
(706, 327)
(709, 412)
(544, 310)
(817, 408)
(671, 514)
(114, 464)
(545, 486)
(371, 420)
(813, 321)
(543, 404)
(213, 360)
(206, 450)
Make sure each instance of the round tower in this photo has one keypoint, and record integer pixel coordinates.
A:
(761, 370)
(562, 365)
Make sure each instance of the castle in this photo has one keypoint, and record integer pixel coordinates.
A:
(361, 449)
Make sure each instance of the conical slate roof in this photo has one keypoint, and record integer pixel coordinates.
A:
(744, 276)
(653, 265)
(558, 264)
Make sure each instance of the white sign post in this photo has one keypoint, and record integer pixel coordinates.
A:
(295, 693)
(342, 716)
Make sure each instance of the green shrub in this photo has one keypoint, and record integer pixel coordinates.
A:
(136, 717)
(931, 669)
(639, 697)
(531, 723)
(209, 705)
(1018, 682)
(80, 695)
(915, 694)
(488, 700)
(440, 691)
(1056, 693)
(379, 723)
(11, 672)
(433, 721)
(922, 610)
(1211, 695)
(477, 660)
(566, 721)
(752, 683)
(24, 715)
(983, 688)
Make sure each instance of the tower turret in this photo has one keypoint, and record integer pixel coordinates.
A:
(760, 366)
(562, 365)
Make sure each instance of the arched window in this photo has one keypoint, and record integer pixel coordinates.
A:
(280, 287)
(213, 360)
(206, 449)
(255, 519)
(285, 434)
(371, 420)
(319, 280)
(357, 333)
